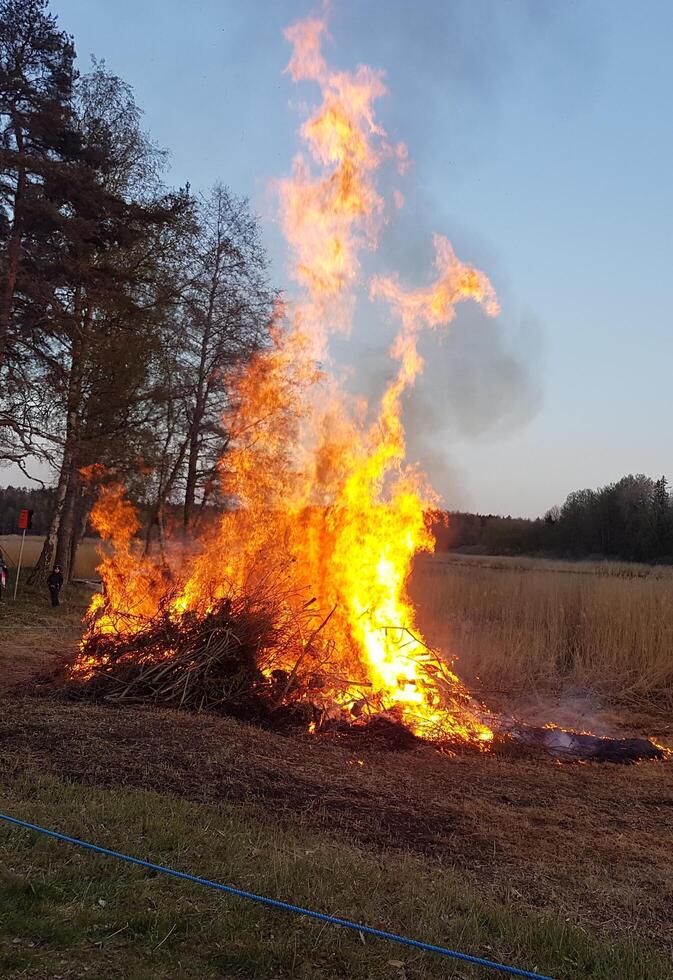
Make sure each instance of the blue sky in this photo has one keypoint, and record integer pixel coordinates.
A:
(541, 144)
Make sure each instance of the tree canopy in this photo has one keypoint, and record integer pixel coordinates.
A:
(122, 301)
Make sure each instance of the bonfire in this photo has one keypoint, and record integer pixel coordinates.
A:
(261, 648)
(294, 605)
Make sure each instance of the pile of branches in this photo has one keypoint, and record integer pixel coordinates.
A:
(263, 654)
(254, 656)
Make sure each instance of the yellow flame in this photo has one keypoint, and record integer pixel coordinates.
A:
(318, 476)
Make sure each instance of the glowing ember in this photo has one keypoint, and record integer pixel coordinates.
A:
(326, 508)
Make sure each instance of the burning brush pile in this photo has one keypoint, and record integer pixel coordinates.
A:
(265, 655)
(293, 608)
(211, 662)
(245, 637)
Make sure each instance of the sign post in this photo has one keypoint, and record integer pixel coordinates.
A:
(25, 522)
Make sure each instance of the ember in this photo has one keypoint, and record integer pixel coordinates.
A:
(581, 746)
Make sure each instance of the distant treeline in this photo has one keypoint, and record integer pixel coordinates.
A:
(15, 499)
(630, 520)
(42, 502)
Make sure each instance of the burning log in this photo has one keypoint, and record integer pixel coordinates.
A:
(583, 747)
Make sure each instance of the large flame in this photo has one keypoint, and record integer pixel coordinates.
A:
(318, 477)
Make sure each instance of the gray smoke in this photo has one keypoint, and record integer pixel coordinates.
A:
(453, 58)
(446, 66)
(578, 711)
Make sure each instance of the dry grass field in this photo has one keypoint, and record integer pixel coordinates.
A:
(85, 566)
(522, 626)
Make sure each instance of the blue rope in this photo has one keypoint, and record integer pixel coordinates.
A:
(273, 903)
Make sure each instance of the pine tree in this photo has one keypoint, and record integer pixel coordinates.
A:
(36, 129)
(663, 511)
(104, 248)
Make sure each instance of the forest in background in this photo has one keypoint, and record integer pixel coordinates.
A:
(630, 520)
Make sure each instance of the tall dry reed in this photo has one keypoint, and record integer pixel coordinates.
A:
(523, 626)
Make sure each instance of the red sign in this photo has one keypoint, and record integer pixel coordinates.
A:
(25, 520)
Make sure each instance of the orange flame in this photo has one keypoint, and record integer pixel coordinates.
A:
(328, 217)
(319, 479)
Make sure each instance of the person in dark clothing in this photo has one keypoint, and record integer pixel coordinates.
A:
(55, 581)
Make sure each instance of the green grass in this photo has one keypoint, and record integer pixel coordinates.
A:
(64, 911)
(32, 606)
(31, 616)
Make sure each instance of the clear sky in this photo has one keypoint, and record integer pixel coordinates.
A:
(541, 140)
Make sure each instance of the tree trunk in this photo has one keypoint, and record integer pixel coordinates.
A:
(82, 510)
(68, 486)
(39, 572)
(80, 349)
(64, 540)
(200, 403)
(192, 467)
(163, 492)
(13, 248)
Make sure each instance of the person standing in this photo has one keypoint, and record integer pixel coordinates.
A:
(55, 582)
(3, 575)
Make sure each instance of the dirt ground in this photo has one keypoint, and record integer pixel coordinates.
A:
(35, 642)
(34, 636)
(589, 843)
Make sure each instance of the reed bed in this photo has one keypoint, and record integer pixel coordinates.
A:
(85, 564)
(523, 625)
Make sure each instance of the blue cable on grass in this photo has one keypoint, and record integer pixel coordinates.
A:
(275, 904)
